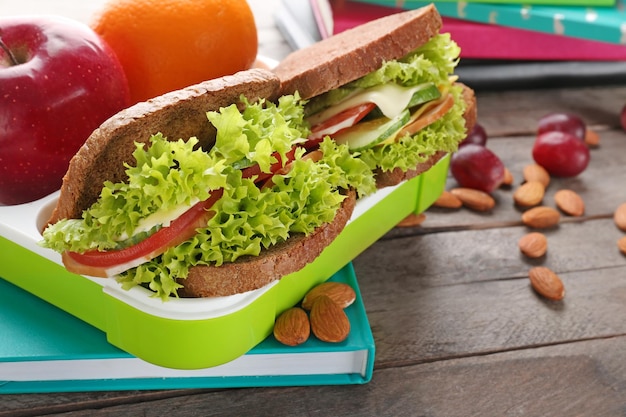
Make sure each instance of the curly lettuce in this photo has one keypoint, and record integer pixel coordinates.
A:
(250, 219)
(168, 174)
(434, 62)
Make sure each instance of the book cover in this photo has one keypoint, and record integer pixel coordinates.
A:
(490, 41)
(597, 23)
(44, 349)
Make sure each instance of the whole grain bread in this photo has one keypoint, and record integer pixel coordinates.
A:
(253, 272)
(351, 54)
(177, 115)
(396, 176)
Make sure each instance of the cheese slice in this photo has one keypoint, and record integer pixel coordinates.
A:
(391, 99)
(159, 218)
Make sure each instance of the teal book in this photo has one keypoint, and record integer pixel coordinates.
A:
(44, 349)
(593, 21)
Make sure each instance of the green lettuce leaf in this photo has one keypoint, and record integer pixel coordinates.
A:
(262, 129)
(433, 62)
(250, 220)
(168, 174)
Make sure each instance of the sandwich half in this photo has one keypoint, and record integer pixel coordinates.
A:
(231, 206)
(387, 89)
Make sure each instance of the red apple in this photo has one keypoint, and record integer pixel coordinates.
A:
(58, 82)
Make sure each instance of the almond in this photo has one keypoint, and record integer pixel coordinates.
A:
(474, 199)
(546, 283)
(341, 293)
(328, 320)
(534, 172)
(541, 217)
(508, 177)
(448, 200)
(619, 217)
(569, 202)
(529, 194)
(592, 139)
(621, 244)
(411, 220)
(533, 245)
(292, 327)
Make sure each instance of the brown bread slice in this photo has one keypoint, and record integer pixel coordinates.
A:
(253, 272)
(356, 52)
(179, 114)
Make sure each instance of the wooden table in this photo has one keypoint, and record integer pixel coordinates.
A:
(458, 330)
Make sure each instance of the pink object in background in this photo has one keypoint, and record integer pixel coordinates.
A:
(485, 41)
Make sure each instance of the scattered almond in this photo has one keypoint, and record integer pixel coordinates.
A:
(448, 200)
(533, 245)
(412, 220)
(328, 320)
(619, 217)
(534, 172)
(546, 283)
(529, 194)
(341, 293)
(292, 327)
(508, 177)
(474, 199)
(592, 139)
(621, 244)
(541, 217)
(569, 202)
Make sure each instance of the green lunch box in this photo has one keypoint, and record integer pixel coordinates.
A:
(194, 333)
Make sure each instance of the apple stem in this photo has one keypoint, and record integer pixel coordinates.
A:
(9, 53)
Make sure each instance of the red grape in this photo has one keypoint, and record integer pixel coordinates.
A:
(477, 135)
(475, 166)
(561, 154)
(562, 122)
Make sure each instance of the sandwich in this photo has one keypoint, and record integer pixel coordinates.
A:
(387, 89)
(228, 185)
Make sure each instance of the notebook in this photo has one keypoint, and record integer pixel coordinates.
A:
(44, 349)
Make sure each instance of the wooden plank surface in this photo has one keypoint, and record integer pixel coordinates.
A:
(458, 330)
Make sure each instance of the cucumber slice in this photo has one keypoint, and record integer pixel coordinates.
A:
(423, 94)
(426, 93)
(365, 135)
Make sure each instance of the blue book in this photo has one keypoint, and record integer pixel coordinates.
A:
(597, 22)
(44, 349)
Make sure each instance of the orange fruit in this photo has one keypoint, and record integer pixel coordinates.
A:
(165, 45)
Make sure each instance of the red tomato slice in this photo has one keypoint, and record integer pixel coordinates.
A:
(337, 123)
(315, 156)
(255, 170)
(109, 263)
